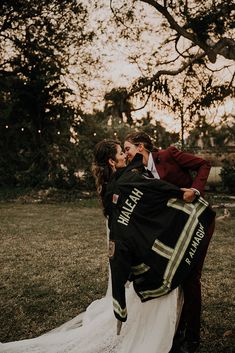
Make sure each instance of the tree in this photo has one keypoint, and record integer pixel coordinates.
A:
(192, 58)
(38, 40)
(161, 137)
(224, 136)
(228, 176)
(219, 136)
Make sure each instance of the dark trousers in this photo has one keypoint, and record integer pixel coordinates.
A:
(191, 312)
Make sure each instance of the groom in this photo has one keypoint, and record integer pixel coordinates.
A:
(176, 167)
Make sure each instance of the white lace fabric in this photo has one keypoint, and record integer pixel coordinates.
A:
(150, 328)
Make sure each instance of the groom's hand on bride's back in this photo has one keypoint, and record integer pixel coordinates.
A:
(189, 195)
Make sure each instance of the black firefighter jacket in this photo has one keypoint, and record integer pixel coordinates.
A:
(156, 238)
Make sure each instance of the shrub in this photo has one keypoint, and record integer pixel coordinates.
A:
(228, 176)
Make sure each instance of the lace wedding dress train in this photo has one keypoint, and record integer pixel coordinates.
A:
(149, 328)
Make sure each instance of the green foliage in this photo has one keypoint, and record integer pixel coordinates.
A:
(37, 115)
(118, 104)
(228, 176)
(158, 133)
(208, 136)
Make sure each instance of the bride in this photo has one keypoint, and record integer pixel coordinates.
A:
(150, 326)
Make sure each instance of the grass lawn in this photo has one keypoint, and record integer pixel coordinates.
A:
(54, 263)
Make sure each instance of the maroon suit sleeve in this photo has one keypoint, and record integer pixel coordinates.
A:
(193, 163)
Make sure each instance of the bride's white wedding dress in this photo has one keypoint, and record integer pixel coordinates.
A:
(149, 328)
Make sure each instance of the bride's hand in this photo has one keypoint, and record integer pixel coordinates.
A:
(119, 326)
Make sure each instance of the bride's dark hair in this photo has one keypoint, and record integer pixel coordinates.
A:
(101, 169)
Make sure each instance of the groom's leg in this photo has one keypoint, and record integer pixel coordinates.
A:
(190, 321)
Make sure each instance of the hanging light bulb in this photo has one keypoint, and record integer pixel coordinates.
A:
(22, 129)
(7, 126)
(94, 134)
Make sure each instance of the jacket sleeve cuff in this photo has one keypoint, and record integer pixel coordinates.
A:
(197, 192)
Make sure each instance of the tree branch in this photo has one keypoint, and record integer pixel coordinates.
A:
(224, 47)
(164, 72)
(211, 51)
(174, 25)
(146, 101)
(232, 79)
(115, 14)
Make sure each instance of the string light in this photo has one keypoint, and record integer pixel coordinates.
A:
(39, 131)
(22, 129)
(7, 126)
(58, 132)
(94, 134)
